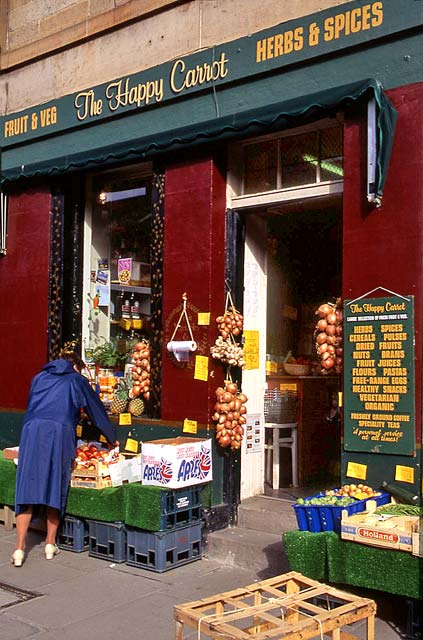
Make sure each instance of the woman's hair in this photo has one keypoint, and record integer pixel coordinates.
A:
(67, 353)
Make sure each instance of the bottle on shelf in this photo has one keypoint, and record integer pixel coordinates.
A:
(126, 309)
(118, 306)
(136, 310)
(402, 494)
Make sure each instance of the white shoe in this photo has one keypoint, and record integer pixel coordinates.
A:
(18, 557)
(51, 550)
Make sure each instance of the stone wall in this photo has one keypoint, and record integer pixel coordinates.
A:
(51, 48)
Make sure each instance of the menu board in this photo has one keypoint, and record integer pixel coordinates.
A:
(379, 410)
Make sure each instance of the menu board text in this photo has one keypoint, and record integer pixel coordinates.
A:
(379, 376)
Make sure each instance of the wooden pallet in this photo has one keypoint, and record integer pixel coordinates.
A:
(7, 515)
(288, 607)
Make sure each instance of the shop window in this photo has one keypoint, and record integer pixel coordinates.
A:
(293, 160)
(260, 167)
(118, 282)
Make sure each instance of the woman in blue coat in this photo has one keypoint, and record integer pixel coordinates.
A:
(48, 445)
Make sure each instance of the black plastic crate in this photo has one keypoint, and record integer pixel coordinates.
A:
(73, 535)
(107, 540)
(180, 507)
(163, 550)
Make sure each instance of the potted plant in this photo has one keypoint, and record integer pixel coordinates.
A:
(108, 356)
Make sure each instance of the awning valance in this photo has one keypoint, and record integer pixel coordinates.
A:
(127, 145)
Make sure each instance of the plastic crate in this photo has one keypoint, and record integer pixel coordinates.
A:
(107, 540)
(330, 515)
(327, 517)
(180, 507)
(307, 515)
(73, 535)
(280, 406)
(163, 550)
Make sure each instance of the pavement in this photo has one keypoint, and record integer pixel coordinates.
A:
(74, 595)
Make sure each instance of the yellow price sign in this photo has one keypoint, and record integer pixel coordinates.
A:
(131, 445)
(190, 426)
(252, 349)
(125, 418)
(288, 386)
(204, 319)
(356, 470)
(404, 474)
(79, 430)
(102, 439)
(201, 371)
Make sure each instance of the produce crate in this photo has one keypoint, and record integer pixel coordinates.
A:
(163, 550)
(91, 483)
(7, 515)
(380, 530)
(107, 540)
(327, 517)
(96, 478)
(73, 535)
(180, 507)
(331, 515)
(308, 515)
(286, 606)
(417, 539)
(280, 406)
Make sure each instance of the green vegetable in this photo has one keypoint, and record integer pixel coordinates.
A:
(400, 510)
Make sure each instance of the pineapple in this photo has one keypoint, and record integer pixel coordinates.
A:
(136, 406)
(121, 397)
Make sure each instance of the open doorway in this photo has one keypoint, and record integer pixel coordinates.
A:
(302, 442)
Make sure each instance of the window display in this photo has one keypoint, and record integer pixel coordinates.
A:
(117, 288)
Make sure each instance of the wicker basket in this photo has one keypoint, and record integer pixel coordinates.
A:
(297, 369)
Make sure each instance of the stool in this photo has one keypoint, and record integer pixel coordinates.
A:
(284, 435)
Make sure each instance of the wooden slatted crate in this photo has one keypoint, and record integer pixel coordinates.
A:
(7, 515)
(286, 607)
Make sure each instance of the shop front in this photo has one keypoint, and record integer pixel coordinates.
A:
(268, 176)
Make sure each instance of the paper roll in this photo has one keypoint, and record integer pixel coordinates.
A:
(181, 349)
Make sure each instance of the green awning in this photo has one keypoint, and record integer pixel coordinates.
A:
(127, 145)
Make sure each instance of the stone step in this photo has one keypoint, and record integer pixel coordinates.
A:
(255, 550)
(270, 515)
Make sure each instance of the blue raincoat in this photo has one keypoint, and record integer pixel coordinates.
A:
(48, 440)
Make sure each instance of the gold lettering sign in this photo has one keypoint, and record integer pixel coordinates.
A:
(182, 78)
(36, 120)
(334, 27)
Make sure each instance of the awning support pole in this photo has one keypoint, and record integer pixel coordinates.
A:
(372, 153)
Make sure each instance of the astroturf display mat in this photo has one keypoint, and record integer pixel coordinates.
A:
(134, 504)
(325, 556)
(7, 481)
(306, 553)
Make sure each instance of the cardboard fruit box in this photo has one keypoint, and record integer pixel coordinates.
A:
(96, 476)
(176, 462)
(11, 453)
(94, 473)
(379, 530)
(126, 470)
(417, 539)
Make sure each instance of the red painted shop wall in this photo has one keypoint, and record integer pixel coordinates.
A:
(194, 263)
(384, 247)
(24, 274)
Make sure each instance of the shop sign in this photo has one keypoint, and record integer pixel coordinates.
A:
(293, 42)
(379, 404)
